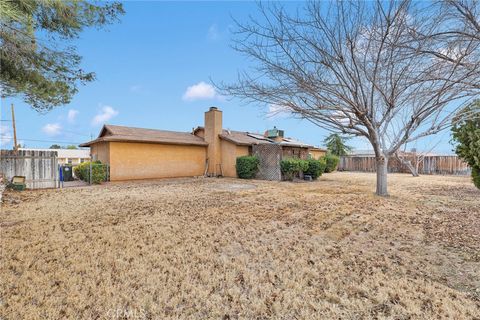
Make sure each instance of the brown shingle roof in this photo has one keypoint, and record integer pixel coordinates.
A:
(247, 139)
(130, 134)
(244, 138)
(289, 142)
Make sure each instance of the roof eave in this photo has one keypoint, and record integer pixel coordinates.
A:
(113, 139)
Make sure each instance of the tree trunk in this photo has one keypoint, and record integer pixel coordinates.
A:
(412, 169)
(382, 170)
(407, 163)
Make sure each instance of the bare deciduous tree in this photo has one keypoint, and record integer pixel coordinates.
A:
(412, 160)
(359, 68)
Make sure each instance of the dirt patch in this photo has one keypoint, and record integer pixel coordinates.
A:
(233, 249)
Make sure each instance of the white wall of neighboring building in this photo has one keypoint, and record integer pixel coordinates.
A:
(70, 156)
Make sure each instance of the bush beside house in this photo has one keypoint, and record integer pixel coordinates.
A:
(331, 162)
(292, 167)
(247, 167)
(316, 168)
(99, 172)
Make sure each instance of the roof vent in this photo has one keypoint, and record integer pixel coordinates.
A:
(213, 108)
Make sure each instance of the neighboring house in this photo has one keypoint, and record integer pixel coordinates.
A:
(135, 153)
(67, 156)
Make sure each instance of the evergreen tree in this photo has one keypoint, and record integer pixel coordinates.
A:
(466, 134)
(336, 145)
(37, 60)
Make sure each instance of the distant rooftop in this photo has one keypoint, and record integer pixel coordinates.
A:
(64, 153)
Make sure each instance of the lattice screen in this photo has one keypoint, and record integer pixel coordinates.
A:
(269, 155)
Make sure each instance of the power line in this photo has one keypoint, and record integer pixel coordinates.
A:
(37, 140)
(78, 134)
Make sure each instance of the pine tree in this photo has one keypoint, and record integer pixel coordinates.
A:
(336, 145)
(37, 60)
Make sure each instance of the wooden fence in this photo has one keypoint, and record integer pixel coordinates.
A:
(430, 165)
(38, 167)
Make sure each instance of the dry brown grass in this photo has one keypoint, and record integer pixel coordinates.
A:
(225, 248)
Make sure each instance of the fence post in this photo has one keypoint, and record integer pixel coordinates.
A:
(56, 173)
(60, 173)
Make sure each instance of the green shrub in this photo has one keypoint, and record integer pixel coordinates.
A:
(331, 162)
(476, 176)
(466, 135)
(99, 172)
(291, 167)
(247, 167)
(316, 168)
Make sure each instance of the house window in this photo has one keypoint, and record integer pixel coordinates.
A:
(69, 161)
(82, 160)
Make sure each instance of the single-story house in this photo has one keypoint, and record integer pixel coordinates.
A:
(136, 153)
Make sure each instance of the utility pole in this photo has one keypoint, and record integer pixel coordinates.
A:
(15, 146)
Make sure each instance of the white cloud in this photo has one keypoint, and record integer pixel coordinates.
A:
(72, 115)
(275, 110)
(213, 32)
(200, 91)
(52, 129)
(5, 135)
(104, 115)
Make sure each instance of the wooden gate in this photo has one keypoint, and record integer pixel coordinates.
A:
(38, 167)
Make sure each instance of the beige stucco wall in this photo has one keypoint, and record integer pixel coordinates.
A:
(100, 151)
(230, 152)
(317, 154)
(129, 161)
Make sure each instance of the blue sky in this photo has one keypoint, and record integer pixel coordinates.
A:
(153, 71)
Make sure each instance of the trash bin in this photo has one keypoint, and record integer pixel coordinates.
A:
(67, 171)
(18, 183)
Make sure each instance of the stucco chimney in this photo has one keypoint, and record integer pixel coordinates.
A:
(213, 128)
